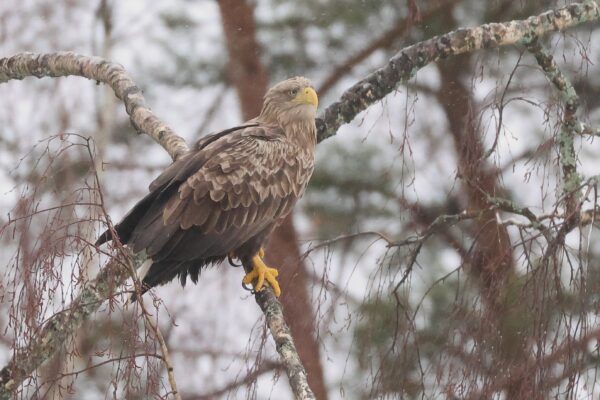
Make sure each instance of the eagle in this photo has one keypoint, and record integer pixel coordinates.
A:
(224, 197)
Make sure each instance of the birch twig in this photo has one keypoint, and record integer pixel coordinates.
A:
(114, 274)
(55, 332)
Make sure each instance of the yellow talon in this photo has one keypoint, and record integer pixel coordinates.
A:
(261, 252)
(261, 272)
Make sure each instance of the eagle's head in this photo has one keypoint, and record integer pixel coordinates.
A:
(291, 101)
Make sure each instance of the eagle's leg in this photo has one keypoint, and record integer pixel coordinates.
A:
(261, 272)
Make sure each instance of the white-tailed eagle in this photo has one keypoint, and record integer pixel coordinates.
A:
(225, 196)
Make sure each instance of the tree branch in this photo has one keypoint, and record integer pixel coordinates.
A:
(405, 64)
(61, 326)
(568, 157)
(59, 64)
(284, 343)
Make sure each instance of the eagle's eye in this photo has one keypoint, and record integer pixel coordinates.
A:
(293, 92)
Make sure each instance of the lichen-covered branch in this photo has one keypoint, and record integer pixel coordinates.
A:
(405, 64)
(62, 325)
(569, 128)
(284, 343)
(59, 64)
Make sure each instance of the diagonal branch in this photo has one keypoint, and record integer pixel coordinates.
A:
(405, 64)
(570, 127)
(570, 123)
(61, 326)
(284, 342)
(384, 41)
(265, 367)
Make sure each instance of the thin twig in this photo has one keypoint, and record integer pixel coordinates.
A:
(341, 238)
(266, 366)
(166, 357)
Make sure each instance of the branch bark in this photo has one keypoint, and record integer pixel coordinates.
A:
(60, 64)
(568, 157)
(284, 342)
(62, 325)
(407, 62)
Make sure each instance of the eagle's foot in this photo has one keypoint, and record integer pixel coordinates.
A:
(261, 272)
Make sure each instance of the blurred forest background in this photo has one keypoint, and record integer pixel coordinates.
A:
(487, 304)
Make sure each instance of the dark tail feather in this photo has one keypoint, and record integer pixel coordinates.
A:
(142, 272)
(105, 237)
(134, 296)
(159, 273)
(163, 272)
(125, 228)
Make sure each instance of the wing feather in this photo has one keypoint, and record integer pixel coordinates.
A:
(230, 189)
(211, 222)
(240, 216)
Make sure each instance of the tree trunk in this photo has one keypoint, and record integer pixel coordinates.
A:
(491, 260)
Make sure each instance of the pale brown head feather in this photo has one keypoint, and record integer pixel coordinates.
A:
(296, 119)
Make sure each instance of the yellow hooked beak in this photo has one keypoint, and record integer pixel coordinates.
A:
(307, 96)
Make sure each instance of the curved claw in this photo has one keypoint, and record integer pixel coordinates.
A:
(262, 273)
(230, 258)
(248, 288)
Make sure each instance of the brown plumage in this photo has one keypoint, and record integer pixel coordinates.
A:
(227, 194)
